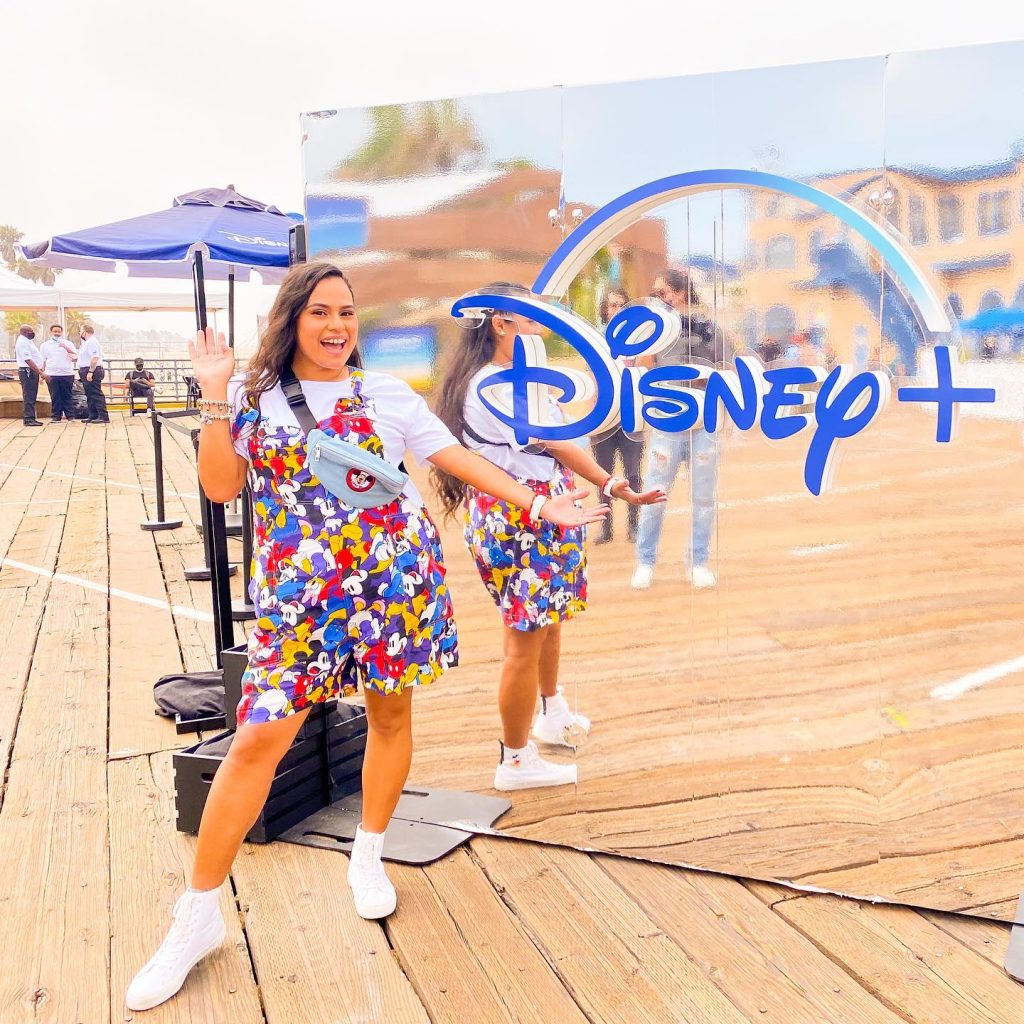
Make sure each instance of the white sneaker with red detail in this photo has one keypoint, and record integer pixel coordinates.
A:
(526, 769)
(198, 929)
(557, 724)
(372, 891)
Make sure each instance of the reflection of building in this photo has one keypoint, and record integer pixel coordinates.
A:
(804, 274)
(432, 238)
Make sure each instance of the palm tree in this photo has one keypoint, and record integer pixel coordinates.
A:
(423, 138)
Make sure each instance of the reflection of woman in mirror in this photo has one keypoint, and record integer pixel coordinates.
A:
(700, 342)
(535, 572)
(618, 442)
(345, 595)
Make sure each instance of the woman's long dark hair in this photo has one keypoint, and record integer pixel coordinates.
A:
(280, 334)
(474, 350)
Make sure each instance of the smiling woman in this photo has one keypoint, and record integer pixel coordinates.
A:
(348, 584)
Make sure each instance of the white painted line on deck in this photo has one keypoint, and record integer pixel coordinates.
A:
(27, 501)
(816, 549)
(971, 681)
(95, 480)
(100, 588)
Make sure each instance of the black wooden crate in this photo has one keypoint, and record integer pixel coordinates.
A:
(314, 771)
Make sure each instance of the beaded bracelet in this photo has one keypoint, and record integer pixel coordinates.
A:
(214, 417)
(214, 404)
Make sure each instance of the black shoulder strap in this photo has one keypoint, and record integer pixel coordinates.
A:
(470, 432)
(292, 389)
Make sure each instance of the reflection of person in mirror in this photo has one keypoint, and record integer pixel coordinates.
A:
(344, 595)
(618, 442)
(534, 571)
(700, 342)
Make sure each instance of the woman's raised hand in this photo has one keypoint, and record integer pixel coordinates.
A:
(212, 361)
(623, 491)
(565, 510)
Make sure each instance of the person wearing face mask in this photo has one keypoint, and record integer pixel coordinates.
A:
(59, 372)
(30, 369)
(141, 384)
(91, 373)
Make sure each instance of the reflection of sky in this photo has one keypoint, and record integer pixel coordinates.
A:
(947, 108)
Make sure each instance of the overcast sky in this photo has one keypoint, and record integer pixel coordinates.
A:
(110, 108)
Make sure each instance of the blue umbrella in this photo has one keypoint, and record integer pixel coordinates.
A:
(998, 319)
(229, 229)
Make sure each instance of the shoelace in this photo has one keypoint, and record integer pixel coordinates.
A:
(181, 931)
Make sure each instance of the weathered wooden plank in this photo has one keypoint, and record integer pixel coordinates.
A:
(316, 960)
(613, 958)
(150, 864)
(467, 954)
(761, 963)
(907, 962)
(54, 870)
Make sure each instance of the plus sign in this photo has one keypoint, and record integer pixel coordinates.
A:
(946, 395)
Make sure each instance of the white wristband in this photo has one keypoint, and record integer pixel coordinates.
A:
(610, 486)
(538, 504)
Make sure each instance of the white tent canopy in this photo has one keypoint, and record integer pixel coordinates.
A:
(110, 292)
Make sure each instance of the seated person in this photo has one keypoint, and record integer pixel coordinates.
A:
(141, 383)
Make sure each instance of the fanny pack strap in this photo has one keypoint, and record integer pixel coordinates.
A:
(292, 388)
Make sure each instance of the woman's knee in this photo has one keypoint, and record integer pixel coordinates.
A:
(389, 716)
(263, 745)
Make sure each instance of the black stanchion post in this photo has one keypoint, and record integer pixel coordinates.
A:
(205, 571)
(243, 609)
(161, 522)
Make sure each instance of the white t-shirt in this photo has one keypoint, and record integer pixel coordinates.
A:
(90, 347)
(507, 453)
(401, 418)
(25, 349)
(57, 358)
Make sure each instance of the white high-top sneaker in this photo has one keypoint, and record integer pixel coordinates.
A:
(374, 895)
(198, 929)
(526, 769)
(558, 724)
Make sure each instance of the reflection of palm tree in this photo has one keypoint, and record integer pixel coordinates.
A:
(422, 138)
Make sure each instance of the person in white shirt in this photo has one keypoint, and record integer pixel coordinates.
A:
(535, 572)
(91, 373)
(346, 593)
(59, 372)
(30, 369)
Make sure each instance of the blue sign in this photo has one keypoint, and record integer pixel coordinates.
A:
(336, 223)
(847, 399)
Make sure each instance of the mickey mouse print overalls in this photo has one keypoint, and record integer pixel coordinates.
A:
(341, 593)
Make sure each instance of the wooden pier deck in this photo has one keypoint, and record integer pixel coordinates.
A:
(93, 610)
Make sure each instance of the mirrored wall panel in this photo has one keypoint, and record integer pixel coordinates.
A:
(807, 664)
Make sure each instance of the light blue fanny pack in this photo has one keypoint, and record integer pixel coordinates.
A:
(352, 474)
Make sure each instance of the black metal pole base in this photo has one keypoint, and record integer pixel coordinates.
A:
(242, 611)
(203, 572)
(153, 525)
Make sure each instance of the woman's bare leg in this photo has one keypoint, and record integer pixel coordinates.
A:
(238, 794)
(520, 678)
(388, 755)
